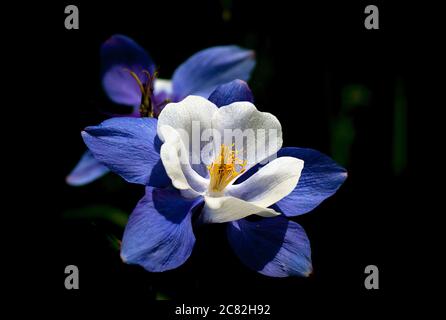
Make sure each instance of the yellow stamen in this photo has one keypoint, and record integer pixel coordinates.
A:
(138, 81)
(225, 168)
(146, 88)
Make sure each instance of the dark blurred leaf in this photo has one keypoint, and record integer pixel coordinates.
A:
(161, 296)
(354, 95)
(95, 212)
(343, 135)
(115, 243)
(226, 10)
(112, 183)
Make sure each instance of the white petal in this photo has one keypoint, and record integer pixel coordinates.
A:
(190, 118)
(162, 85)
(256, 134)
(271, 183)
(176, 162)
(180, 115)
(225, 209)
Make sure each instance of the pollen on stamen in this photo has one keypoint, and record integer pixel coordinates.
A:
(225, 168)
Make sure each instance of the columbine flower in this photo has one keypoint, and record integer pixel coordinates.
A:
(227, 187)
(129, 78)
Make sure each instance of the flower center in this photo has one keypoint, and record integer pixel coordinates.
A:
(224, 169)
(146, 88)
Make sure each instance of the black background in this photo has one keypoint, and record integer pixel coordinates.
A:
(306, 55)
